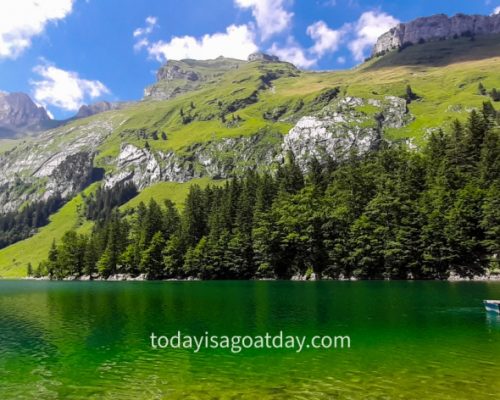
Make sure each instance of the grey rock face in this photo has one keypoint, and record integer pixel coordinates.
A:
(217, 160)
(259, 56)
(18, 111)
(437, 27)
(344, 127)
(136, 165)
(58, 161)
(333, 133)
(97, 108)
(170, 72)
(177, 77)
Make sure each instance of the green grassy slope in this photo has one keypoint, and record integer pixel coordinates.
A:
(15, 258)
(176, 192)
(445, 74)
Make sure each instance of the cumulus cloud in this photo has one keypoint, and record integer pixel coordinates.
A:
(326, 39)
(370, 26)
(496, 11)
(64, 89)
(270, 15)
(237, 42)
(294, 53)
(21, 20)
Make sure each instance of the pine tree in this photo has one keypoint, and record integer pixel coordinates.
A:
(489, 164)
(152, 259)
(29, 270)
(52, 264)
(173, 257)
(481, 89)
(90, 257)
(196, 263)
(464, 233)
(490, 223)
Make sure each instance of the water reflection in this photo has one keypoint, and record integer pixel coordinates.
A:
(493, 320)
(84, 340)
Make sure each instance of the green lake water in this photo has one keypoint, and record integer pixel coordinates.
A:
(90, 340)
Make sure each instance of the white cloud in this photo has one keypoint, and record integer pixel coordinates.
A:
(236, 42)
(293, 53)
(64, 89)
(370, 26)
(20, 20)
(151, 23)
(326, 39)
(496, 11)
(141, 34)
(270, 15)
(341, 60)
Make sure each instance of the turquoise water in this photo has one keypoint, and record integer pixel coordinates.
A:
(90, 340)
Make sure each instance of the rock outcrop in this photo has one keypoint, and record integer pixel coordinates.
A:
(97, 108)
(177, 77)
(259, 56)
(57, 161)
(18, 112)
(343, 127)
(436, 27)
(63, 161)
(348, 124)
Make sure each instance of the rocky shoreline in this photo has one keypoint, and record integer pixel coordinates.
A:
(296, 278)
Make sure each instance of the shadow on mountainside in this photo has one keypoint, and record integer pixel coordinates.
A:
(441, 53)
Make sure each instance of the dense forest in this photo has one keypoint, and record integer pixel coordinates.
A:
(392, 213)
(15, 226)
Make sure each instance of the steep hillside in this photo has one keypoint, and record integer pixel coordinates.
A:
(214, 119)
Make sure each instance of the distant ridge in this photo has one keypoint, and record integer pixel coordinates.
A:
(436, 27)
(19, 113)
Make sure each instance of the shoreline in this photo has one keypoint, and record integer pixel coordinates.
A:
(296, 278)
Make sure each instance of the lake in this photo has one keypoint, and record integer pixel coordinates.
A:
(91, 340)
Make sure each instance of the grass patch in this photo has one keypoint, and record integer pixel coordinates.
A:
(176, 192)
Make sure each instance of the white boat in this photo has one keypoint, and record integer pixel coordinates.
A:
(492, 305)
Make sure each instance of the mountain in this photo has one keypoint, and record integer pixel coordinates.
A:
(437, 27)
(19, 114)
(178, 77)
(97, 108)
(206, 121)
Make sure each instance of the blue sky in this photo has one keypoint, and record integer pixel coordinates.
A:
(65, 53)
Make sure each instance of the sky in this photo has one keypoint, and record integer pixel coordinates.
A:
(66, 53)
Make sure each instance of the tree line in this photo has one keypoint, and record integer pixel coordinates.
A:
(393, 213)
(19, 225)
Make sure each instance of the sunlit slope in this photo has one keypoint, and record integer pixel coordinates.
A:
(444, 74)
(15, 258)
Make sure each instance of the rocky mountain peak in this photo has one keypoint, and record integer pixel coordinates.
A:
(176, 77)
(260, 56)
(436, 27)
(18, 112)
(97, 108)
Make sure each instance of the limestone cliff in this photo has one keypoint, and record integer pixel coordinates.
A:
(436, 27)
